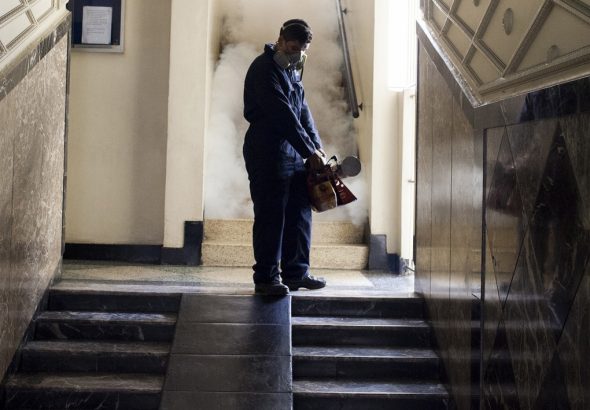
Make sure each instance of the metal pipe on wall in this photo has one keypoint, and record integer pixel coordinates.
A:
(351, 92)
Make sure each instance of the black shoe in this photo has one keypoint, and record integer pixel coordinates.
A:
(308, 282)
(272, 289)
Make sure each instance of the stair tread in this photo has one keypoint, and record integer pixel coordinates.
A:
(364, 353)
(69, 346)
(68, 287)
(391, 388)
(110, 317)
(364, 297)
(356, 322)
(128, 382)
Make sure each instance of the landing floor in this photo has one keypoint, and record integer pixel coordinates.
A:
(226, 280)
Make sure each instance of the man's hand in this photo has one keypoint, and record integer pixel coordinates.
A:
(317, 160)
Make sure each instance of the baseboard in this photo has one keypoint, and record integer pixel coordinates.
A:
(189, 254)
(379, 259)
(117, 253)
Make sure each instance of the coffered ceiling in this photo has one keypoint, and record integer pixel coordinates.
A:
(506, 47)
(18, 19)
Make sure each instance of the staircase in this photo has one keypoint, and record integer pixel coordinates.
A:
(335, 245)
(363, 353)
(95, 350)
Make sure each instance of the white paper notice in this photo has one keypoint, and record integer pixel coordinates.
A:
(96, 25)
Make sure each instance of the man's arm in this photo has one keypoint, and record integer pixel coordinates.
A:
(272, 100)
(309, 125)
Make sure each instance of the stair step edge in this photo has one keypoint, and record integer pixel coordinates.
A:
(97, 347)
(126, 382)
(360, 322)
(109, 317)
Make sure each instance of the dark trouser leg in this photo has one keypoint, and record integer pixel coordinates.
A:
(269, 195)
(297, 229)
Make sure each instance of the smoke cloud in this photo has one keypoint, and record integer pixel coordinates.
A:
(247, 26)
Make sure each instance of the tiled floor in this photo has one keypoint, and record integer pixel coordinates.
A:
(227, 280)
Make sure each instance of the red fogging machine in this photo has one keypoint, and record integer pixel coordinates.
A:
(325, 187)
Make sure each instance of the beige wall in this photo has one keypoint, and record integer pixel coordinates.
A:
(194, 50)
(136, 146)
(380, 123)
(117, 134)
(360, 26)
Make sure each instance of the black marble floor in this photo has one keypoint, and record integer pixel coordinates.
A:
(95, 350)
(364, 353)
(123, 345)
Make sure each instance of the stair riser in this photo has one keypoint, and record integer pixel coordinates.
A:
(103, 331)
(240, 231)
(308, 368)
(40, 399)
(311, 402)
(90, 363)
(405, 337)
(113, 302)
(405, 308)
(324, 258)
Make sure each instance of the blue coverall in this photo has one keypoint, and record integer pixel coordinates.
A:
(280, 136)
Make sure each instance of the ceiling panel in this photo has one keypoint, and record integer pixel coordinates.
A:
(460, 41)
(561, 34)
(439, 17)
(483, 68)
(471, 14)
(508, 25)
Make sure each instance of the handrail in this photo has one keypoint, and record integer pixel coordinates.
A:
(352, 100)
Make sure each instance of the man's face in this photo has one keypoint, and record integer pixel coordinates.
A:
(292, 46)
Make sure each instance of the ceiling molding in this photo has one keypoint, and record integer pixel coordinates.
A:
(524, 64)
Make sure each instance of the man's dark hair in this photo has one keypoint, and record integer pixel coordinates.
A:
(296, 30)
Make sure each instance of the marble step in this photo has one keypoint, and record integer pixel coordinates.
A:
(240, 231)
(364, 363)
(82, 391)
(336, 256)
(356, 331)
(90, 356)
(112, 301)
(368, 394)
(69, 325)
(375, 307)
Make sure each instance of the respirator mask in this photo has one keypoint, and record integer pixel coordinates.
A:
(294, 61)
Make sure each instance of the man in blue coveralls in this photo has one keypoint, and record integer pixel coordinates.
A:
(281, 136)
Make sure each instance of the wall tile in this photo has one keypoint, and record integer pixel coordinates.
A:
(33, 117)
(464, 235)
(530, 143)
(560, 242)
(424, 178)
(537, 221)
(574, 349)
(442, 126)
(6, 167)
(576, 132)
(528, 328)
(500, 390)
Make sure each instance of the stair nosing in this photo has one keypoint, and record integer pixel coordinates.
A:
(356, 322)
(94, 317)
(339, 392)
(19, 380)
(108, 347)
(412, 355)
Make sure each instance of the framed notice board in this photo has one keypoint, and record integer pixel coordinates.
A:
(98, 25)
